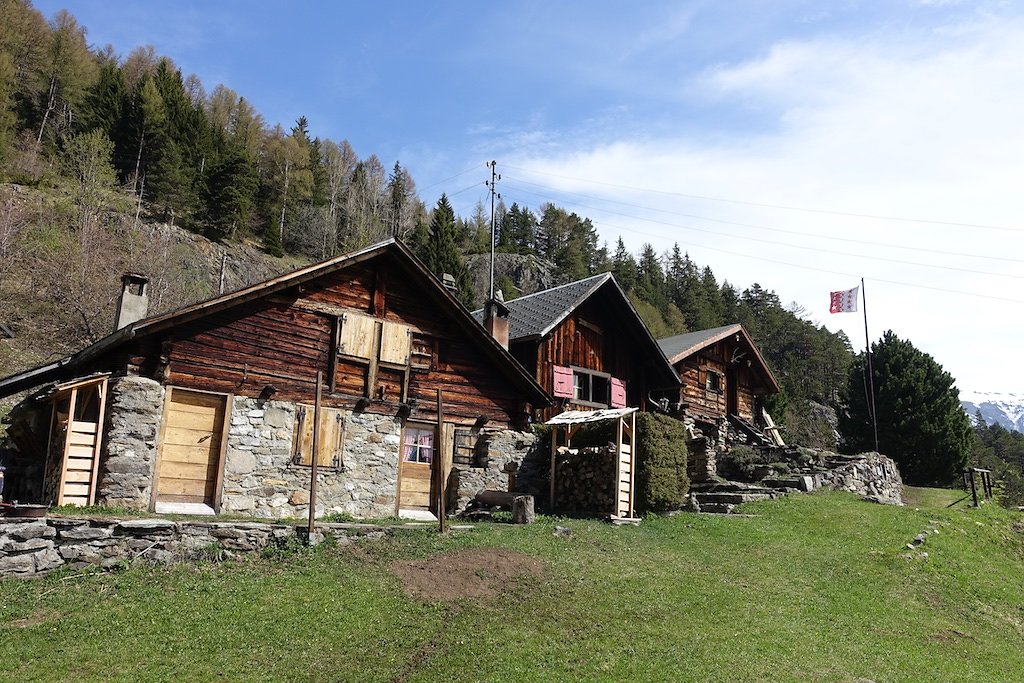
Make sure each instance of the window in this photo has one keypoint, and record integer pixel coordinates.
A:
(713, 382)
(331, 441)
(373, 357)
(590, 387)
(418, 445)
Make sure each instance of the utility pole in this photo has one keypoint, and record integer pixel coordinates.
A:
(492, 184)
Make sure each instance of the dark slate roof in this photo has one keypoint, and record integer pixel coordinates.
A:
(534, 315)
(682, 346)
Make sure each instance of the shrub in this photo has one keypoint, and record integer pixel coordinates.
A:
(662, 483)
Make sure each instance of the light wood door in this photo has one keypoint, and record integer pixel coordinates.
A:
(191, 447)
(417, 487)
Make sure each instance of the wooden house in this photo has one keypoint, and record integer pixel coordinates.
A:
(210, 407)
(723, 374)
(584, 343)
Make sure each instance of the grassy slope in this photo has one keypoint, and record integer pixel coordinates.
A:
(814, 588)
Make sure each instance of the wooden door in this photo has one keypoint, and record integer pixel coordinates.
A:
(732, 401)
(417, 483)
(190, 452)
(420, 485)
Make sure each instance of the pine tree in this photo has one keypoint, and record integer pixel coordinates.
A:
(442, 254)
(624, 267)
(920, 422)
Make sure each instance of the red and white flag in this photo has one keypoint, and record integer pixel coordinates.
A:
(844, 302)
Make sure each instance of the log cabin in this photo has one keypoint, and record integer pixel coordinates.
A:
(584, 343)
(724, 376)
(211, 408)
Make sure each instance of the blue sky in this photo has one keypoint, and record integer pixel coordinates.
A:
(774, 141)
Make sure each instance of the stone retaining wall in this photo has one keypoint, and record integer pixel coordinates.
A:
(872, 475)
(29, 547)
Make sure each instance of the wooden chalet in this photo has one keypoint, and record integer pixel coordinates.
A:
(410, 382)
(584, 343)
(723, 374)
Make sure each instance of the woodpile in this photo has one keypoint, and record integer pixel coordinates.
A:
(585, 480)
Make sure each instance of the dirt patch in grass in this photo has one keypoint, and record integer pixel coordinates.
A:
(471, 573)
(39, 616)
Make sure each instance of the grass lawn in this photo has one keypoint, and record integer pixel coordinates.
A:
(811, 588)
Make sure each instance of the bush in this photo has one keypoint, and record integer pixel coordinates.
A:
(662, 483)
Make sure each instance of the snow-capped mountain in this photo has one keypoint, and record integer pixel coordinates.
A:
(1003, 409)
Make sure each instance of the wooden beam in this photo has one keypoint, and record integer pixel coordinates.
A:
(439, 466)
(315, 456)
(102, 397)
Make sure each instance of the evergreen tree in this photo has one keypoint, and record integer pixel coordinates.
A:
(650, 284)
(624, 267)
(442, 254)
(920, 422)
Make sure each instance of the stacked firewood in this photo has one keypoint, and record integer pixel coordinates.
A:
(585, 480)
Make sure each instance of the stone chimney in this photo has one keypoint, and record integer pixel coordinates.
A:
(448, 280)
(134, 302)
(496, 319)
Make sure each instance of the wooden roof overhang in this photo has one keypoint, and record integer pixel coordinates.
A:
(692, 343)
(431, 288)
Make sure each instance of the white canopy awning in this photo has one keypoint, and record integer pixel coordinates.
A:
(570, 417)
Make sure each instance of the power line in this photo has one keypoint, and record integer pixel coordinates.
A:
(848, 240)
(774, 206)
(457, 175)
(793, 246)
(829, 271)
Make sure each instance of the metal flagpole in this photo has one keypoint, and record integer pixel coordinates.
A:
(871, 374)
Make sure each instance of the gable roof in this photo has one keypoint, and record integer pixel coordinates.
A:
(534, 316)
(682, 346)
(431, 287)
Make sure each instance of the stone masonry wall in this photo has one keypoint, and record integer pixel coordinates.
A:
(261, 480)
(872, 475)
(503, 447)
(29, 547)
(135, 407)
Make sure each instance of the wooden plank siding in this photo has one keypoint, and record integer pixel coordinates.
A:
(574, 342)
(708, 404)
(283, 340)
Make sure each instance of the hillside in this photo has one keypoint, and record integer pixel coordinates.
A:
(59, 281)
(819, 587)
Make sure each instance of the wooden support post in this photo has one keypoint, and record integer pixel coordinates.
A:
(438, 464)
(316, 452)
(554, 449)
(974, 489)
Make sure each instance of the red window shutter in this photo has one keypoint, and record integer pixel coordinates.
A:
(562, 387)
(618, 393)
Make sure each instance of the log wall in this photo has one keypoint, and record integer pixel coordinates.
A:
(282, 340)
(611, 348)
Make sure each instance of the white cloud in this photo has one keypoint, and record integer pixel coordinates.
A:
(921, 124)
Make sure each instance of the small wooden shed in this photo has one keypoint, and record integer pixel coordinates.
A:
(567, 424)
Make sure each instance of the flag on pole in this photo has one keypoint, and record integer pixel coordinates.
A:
(844, 302)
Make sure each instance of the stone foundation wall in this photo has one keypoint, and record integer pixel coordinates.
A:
(135, 408)
(706, 441)
(36, 546)
(261, 480)
(503, 447)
